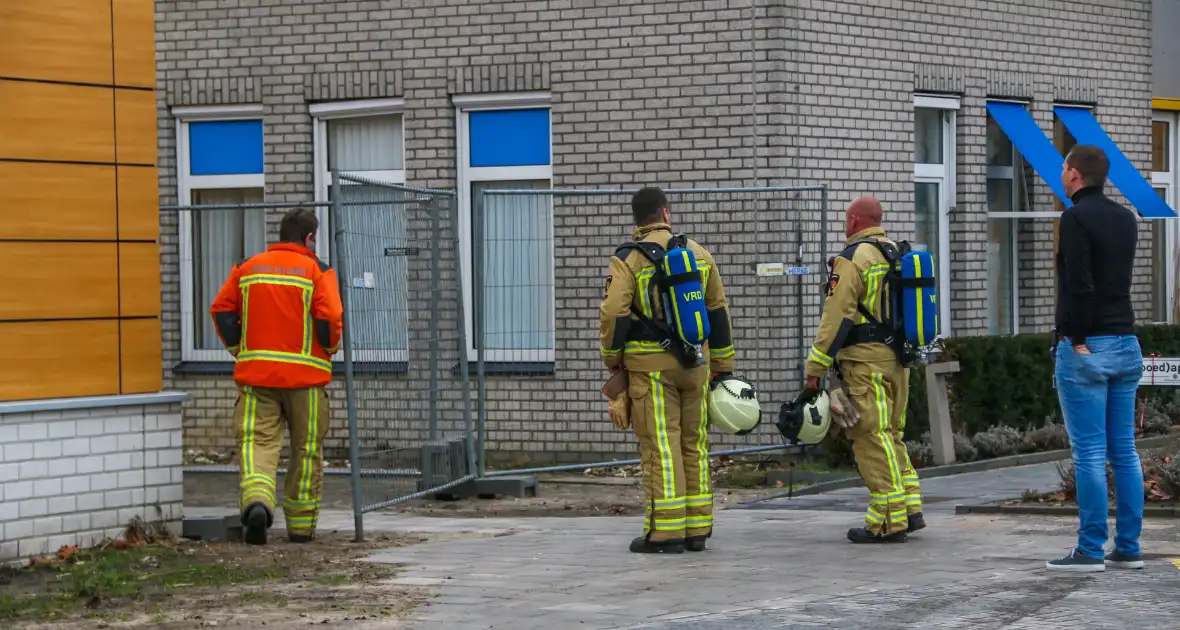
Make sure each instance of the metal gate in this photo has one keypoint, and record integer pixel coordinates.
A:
(529, 245)
(409, 407)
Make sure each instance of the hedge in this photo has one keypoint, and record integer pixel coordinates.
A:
(1008, 381)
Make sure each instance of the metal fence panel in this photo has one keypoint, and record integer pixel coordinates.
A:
(404, 422)
(770, 247)
(410, 408)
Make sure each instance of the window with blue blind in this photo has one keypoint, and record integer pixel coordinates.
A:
(225, 147)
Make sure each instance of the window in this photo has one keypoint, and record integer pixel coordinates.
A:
(1007, 191)
(1165, 178)
(934, 187)
(504, 142)
(367, 139)
(219, 161)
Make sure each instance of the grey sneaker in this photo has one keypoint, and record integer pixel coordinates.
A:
(1075, 562)
(1120, 560)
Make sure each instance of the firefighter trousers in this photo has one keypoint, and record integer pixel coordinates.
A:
(670, 419)
(260, 414)
(880, 391)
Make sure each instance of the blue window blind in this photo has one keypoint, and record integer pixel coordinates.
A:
(512, 137)
(225, 147)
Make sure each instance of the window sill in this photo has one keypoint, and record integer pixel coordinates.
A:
(524, 368)
(227, 368)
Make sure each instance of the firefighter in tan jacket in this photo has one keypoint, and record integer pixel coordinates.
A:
(876, 381)
(667, 400)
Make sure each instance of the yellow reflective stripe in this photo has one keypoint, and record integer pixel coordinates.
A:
(700, 500)
(702, 447)
(721, 353)
(872, 279)
(248, 421)
(874, 518)
(258, 477)
(699, 521)
(913, 499)
(306, 323)
(309, 504)
(669, 525)
(883, 434)
(643, 347)
(609, 353)
(668, 503)
(234, 349)
(245, 317)
(892, 496)
(309, 446)
(643, 280)
(276, 279)
(918, 300)
(285, 357)
(662, 440)
(820, 358)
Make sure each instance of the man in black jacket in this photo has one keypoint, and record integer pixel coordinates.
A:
(1099, 362)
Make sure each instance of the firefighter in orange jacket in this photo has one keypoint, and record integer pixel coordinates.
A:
(279, 314)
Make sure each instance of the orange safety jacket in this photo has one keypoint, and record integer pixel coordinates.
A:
(279, 314)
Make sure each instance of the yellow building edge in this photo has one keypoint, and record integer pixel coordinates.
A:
(1171, 104)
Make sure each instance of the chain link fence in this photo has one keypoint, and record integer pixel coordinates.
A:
(540, 256)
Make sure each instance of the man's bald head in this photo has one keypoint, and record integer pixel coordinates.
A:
(864, 212)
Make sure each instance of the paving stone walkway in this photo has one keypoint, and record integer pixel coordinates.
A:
(780, 567)
(940, 494)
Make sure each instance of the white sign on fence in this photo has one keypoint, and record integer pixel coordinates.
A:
(1160, 371)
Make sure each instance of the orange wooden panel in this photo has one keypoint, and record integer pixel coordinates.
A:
(139, 203)
(60, 280)
(139, 279)
(57, 122)
(60, 359)
(139, 343)
(56, 40)
(57, 201)
(135, 113)
(135, 43)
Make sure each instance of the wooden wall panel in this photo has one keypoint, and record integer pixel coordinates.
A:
(139, 203)
(59, 359)
(60, 280)
(56, 40)
(135, 113)
(57, 201)
(139, 279)
(57, 122)
(135, 43)
(142, 363)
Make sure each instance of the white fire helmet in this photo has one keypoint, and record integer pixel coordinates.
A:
(806, 419)
(733, 405)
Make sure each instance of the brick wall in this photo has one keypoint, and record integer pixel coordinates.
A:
(661, 93)
(76, 477)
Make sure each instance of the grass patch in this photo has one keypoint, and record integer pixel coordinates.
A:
(107, 576)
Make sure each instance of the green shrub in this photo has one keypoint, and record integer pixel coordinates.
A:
(1051, 437)
(1009, 380)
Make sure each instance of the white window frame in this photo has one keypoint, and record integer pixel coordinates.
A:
(185, 185)
(465, 104)
(1170, 181)
(943, 175)
(1011, 218)
(321, 115)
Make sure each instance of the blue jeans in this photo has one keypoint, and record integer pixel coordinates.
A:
(1097, 394)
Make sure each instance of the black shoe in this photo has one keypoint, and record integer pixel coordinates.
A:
(695, 543)
(643, 545)
(1120, 560)
(299, 538)
(1077, 562)
(256, 520)
(916, 522)
(860, 535)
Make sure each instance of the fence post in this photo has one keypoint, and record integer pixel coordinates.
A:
(354, 448)
(477, 287)
(464, 360)
(435, 346)
(942, 438)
